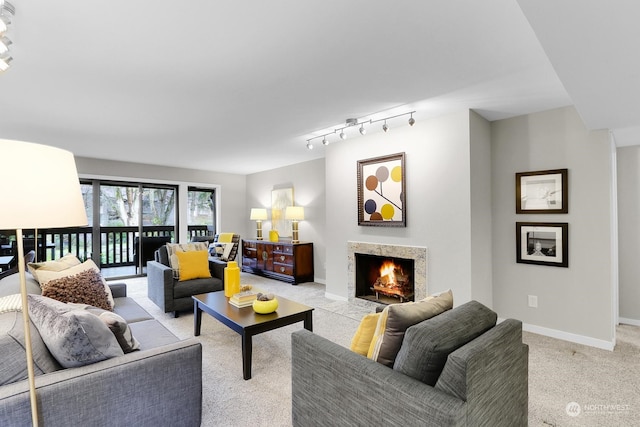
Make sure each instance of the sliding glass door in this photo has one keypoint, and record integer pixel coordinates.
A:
(130, 214)
(128, 221)
(201, 212)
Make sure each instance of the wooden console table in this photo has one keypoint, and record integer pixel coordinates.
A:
(286, 261)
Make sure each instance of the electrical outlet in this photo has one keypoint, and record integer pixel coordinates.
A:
(533, 301)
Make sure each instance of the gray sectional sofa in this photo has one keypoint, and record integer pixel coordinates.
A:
(456, 369)
(158, 385)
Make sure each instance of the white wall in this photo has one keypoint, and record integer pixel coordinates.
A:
(577, 300)
(231, 188)
(438, 199)
(307, 180)
(628, 159)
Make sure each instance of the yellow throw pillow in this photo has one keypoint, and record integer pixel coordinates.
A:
(362, 339)
(172, 248)
(396, 318)
(193, 265)
(225, 237)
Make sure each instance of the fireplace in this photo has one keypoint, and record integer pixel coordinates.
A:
(384, 279)
(404, 254)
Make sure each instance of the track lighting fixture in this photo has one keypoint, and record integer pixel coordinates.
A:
(354, 123)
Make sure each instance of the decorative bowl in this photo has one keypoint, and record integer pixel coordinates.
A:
(265, 307)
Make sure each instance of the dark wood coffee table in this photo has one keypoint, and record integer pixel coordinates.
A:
(247, 322)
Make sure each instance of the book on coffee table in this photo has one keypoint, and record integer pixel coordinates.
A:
(241, 304)
(243, 299)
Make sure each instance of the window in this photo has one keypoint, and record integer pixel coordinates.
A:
(201, 215)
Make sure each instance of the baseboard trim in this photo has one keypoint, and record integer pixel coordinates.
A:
(336, 297)
(567, 336)
(627, 321)
(321, 281)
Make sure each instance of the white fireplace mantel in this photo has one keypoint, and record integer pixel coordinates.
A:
(416, 253)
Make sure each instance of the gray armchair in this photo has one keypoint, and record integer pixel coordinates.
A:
(173, 296)
(483, 382)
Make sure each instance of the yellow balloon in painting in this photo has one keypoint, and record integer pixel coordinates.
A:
(396, 174)
(387, 211)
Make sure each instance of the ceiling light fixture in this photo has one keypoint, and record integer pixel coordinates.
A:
(354, 122)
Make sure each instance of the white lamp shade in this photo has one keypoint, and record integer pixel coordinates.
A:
(40, 187)
(258, 214)
(294, 213)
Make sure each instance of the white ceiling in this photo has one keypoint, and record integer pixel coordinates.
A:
(238, 86)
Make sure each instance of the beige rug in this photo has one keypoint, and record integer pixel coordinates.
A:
(604, 385)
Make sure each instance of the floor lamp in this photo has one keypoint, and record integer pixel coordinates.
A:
(44, 193)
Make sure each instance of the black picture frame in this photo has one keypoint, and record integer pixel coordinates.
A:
(542, 192)
(542, 243)
(382, 191)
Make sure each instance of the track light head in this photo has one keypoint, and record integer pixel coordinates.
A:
(325, 141)
(309, 145)
(362, 130)
(343, 135)
(6, 11)
(4, 63)
(411, 120)
(385, 127)
(4, 45)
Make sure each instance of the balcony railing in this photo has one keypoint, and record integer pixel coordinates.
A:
(116, 243)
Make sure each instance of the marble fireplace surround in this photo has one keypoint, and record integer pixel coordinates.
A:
(416, 253)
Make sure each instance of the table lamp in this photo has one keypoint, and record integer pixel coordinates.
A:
(258, 215)
(36, 199)
(295, 214)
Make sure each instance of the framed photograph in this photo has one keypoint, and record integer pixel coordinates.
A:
(542, 191)
(381, 191)
(542, 243)
(280, 199)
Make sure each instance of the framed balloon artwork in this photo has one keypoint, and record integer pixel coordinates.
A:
(381, 191)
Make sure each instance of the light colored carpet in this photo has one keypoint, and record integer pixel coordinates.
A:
(604, 384)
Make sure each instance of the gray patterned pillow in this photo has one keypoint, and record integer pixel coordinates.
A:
(118, 326)
(74, 337)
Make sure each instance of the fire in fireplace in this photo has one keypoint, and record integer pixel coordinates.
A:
(384, 279)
